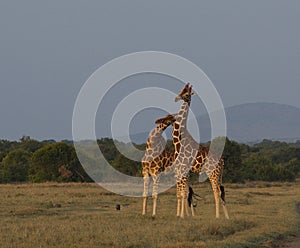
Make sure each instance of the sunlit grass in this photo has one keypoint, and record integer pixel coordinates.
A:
(84, 215)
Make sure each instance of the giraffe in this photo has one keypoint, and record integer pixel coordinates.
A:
(155, 160)
(190, 156)
(169, 120)
(181, 168)
(181, 164)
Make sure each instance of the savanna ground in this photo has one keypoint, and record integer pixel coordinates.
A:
(83, 215)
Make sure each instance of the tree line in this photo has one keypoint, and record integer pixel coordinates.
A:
(29, 160)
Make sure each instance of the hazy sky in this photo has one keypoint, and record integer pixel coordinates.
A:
(249, 49)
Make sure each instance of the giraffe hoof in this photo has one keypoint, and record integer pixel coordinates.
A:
(153, 217)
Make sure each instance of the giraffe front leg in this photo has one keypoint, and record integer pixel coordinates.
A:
(178, 206)
(145, 194)
(178, 192)
(186, 205)
(154, 194)
(217, 200)
(182, 205)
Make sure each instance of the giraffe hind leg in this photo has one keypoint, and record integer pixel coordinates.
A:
(216, 190)
(178, 193)
(182, 204)
(186, 206)
(145, 194)
(155, 193)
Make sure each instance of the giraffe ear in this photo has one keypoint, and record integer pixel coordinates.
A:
(158, 121)
(192, 92)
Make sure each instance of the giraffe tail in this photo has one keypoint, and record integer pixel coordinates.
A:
(190, 196)
(222, 170)
(222, 189)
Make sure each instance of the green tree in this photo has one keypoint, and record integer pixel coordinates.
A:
(15, 166)
(128, 166)
(28, 144)
(47, 161)
(232, 157)
(294, 166)
(56, 162)
(5, 147)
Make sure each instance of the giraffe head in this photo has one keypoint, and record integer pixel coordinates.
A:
(167, 120)
(185, 94)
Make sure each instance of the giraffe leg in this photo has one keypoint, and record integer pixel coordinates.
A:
(178, 191)
(178, 206)
(182, 204)
(192, 209)
(154, 193)
(145, 194)
(186, 201)
(186, 208)
(215, 188)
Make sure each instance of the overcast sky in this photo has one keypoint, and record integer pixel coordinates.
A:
(249, 49)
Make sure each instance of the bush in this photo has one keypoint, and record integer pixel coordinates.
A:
(15, 166)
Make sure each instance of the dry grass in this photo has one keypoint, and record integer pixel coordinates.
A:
(84, 215)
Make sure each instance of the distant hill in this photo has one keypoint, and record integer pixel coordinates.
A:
(251, 122)
(256, 121)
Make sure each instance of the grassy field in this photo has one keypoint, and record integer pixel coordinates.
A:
(84, 215)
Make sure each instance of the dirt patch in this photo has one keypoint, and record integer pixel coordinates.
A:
(261, 193)
(295, 243)
(292, 244)
(298, 207)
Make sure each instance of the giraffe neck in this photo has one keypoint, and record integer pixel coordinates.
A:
(155, 137)
(183, 114)
(179, 126)
(176, 138)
